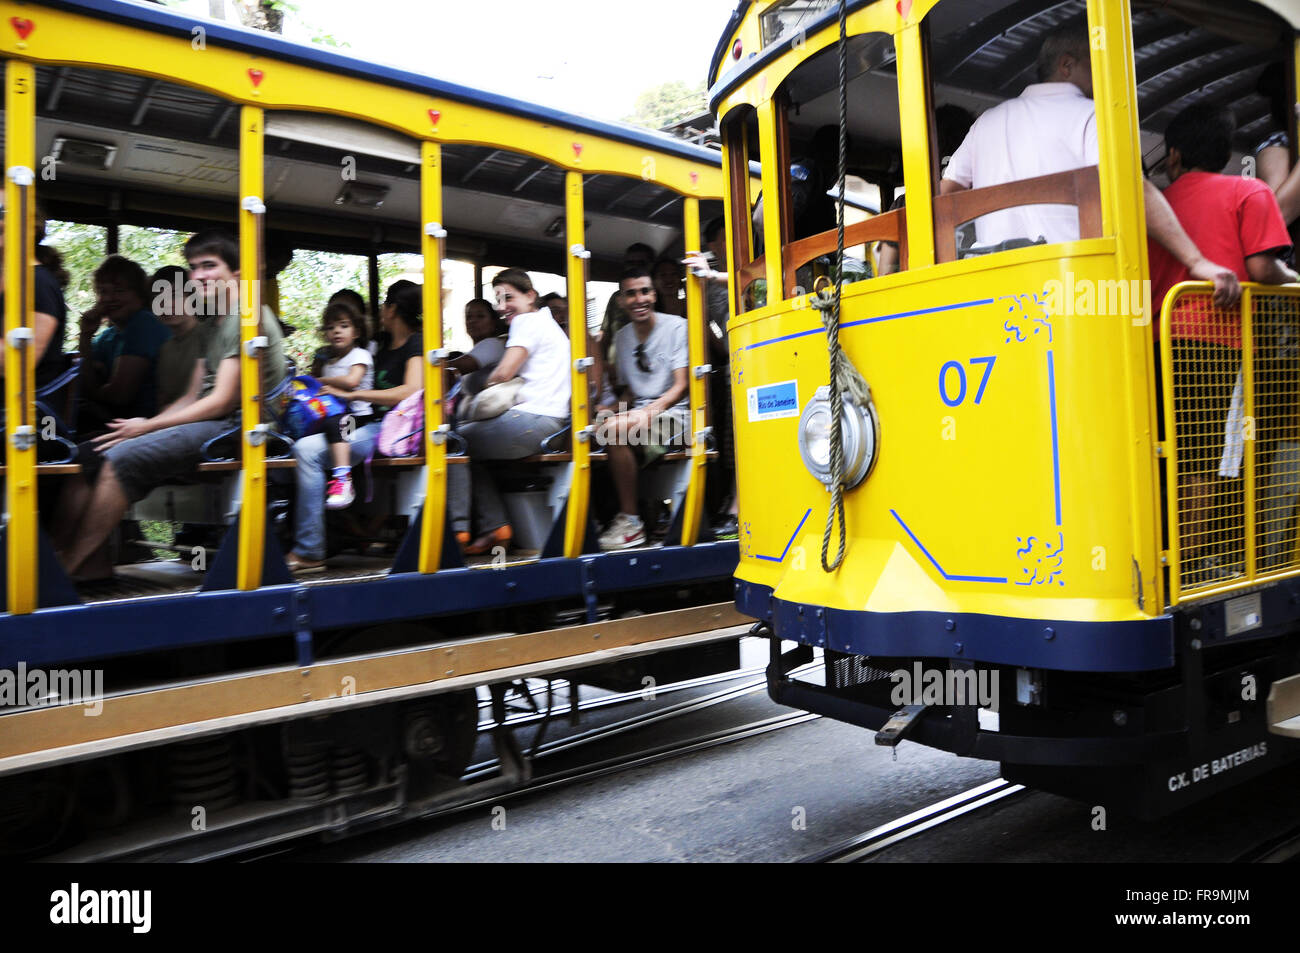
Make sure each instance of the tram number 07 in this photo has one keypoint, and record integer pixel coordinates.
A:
(946, 376)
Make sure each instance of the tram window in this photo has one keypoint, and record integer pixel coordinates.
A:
(1041, 142)
(740, 139)
(807, 153)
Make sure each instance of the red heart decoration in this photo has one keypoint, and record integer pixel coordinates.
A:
(904, 8)
(577, 149)
(256, 76)
(22, 27)
(434, 116)
(695, 178)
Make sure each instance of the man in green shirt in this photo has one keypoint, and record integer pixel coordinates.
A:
(142, 453)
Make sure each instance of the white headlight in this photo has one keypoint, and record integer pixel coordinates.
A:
(858, 434)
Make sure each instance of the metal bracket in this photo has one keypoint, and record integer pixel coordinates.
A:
(704, 436)
(257, 436)
(582, 363)
(20, 337)
(21, 176)
(259, 343)
(702, 370)
(578, 251)
(439, 435)
(899, 724)
(254, 204)
(437, 355)
(435, 230)
(24, 437)
(585, 434)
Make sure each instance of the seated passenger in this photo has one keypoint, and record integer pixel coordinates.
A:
(538, 352)
(558, 305)
(667, 275)
(119, 344)
(49, 313)
(143, 453)
(652, 360)
(181, 356)
(1237, 220)
(1273, 153)
(349, 297)
(636, 255)
(346, 366)
(399, 373)
(1052, 127)
(485, 329)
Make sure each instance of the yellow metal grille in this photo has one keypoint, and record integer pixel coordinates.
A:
(1231, 394)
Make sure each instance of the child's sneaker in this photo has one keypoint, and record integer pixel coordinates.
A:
(623, 532)
(340, 494)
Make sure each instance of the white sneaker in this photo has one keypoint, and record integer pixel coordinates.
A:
(623, 532)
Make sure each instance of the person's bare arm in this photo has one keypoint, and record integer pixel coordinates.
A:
(1273, 167)
(349, 381)
(1164, 227)
(1267, 269)
(223, 400)
(669, 397)
(510, 365)
(949, 186)
(412, 380)
(124, 380)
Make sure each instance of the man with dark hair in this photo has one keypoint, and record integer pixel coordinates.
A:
(142, 453)
(652, 362)
(1237, 220)
(1052, 127)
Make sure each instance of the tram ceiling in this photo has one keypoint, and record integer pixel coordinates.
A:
(123, 134)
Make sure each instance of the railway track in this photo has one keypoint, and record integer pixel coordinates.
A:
(860, 847)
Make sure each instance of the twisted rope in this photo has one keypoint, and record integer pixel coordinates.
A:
(827, 300)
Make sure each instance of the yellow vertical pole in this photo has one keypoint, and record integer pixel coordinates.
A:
(1248, 400)
(1114, 78)
(20, 362)
(252, 213)
(693, 506)
(768, 150)
(433, 522)
(575, 525)
(914, 113)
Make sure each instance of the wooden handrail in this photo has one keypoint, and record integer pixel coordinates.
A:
(1078, 187)
(886, 227)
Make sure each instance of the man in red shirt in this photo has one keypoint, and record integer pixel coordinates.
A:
(1234, 220)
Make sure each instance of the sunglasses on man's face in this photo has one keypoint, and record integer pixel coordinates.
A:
(642, 364)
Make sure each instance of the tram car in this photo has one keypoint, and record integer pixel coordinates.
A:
(202, 697)
(1059, 548)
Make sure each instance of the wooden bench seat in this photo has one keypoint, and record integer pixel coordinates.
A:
(51, 469)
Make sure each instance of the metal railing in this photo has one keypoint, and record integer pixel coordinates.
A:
(1230, 385)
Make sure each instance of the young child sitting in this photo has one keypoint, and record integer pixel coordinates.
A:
(346, 364)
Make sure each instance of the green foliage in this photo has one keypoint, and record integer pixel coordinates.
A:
(669, 103)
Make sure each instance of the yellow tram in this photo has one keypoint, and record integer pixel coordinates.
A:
(1009, 511)
(222, 670)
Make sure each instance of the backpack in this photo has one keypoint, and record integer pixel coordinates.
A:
(306, 407)
(402, 427)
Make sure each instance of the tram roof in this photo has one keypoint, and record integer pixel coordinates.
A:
(162, 20)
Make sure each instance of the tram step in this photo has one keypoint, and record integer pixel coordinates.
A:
(1284, 707)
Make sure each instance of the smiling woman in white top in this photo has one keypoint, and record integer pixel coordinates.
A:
(537, 351)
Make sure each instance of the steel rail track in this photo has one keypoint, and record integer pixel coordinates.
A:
(861, 846)
(560, 779)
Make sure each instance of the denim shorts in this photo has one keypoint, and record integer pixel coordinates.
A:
(158, 458)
